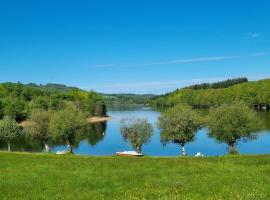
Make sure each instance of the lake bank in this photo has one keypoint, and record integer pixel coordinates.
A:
(105, 139)
(83, 177)
(89, 119)
(98, 119)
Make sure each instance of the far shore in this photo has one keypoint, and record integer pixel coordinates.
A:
(89, 120)
(98, 119)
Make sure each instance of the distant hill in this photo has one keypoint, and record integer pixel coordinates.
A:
(254, 93)
(18, 100)
(120, 100)
(52, 87)
(220, 84)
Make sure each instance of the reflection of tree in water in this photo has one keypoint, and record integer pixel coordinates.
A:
(265, 117)
(96, 132)
(23, 143)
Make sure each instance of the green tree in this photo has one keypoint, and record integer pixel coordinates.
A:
(231, 123)
(179, 125)
(9, 129)
(94, 105)
(15, 108)
(1, 110)
(39, 126)
(40, 103)
(66, 125)
(100, 109)
(137, 131)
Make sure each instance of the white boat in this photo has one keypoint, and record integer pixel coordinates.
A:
(199, 154)
(61, 152)
(128, 153)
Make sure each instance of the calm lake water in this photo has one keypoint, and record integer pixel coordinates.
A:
(105, 139)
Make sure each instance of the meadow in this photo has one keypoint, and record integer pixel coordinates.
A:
(48, 176)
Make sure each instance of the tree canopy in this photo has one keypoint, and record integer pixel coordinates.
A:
(253, 93)
(66, 125)
(18, 100)
(9, 129)
(231, 123)
(39, 126)
(179, 125)
(137, 131)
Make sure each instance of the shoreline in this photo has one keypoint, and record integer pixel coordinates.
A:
(98, 119)
(26, 123)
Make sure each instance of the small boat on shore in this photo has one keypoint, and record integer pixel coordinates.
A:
(61, 152)
(128, 153)
(199, 154)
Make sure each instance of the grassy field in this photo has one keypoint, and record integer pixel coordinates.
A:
(45, 176)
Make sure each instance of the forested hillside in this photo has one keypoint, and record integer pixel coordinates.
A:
(220, 84)
(18, 100)
(254, 93)
(122, 100)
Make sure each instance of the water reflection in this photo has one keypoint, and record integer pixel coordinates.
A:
(23, 143)
(96, 133)
(105, 139)
(265, 118)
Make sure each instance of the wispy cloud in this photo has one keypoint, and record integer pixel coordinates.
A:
(182, 61)
(152, 86)
(103, 65)
(253, 35)
(161, 87)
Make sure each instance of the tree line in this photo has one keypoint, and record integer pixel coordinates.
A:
(228, 123)
(255, 94)
(63, 127)
(18, 100)
(220, 84)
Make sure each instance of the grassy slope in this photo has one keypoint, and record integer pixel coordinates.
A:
(41, 176)
(252, 92)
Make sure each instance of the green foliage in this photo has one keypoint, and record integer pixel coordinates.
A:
(100, 109)
(39, 125)
(179, 125)
(1, 110)
(220, 84)
(94, 105)
(254, 94)
(16, 108)
(231, 123)
(126, 100)
(96, 132)
(137, 131)
(9, 129)
(18, 100)
(65, 125)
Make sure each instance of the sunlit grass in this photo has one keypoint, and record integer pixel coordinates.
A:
(47, 176)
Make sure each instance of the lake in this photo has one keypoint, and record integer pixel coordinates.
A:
(105, 139)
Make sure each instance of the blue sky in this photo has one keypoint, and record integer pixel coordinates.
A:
(133, 46)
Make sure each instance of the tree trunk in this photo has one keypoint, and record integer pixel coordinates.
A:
(183, 150)
(139, 149)
(47, 147)
(9, 145)
(70, 147)
(232, 148)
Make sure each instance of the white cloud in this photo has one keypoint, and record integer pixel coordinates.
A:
(161, 87)
(182, 61)
(152, 86)
(253, 35)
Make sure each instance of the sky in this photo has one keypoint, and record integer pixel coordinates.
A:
(133, 46)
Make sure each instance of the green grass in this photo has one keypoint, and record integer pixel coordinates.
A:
(46, 176)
